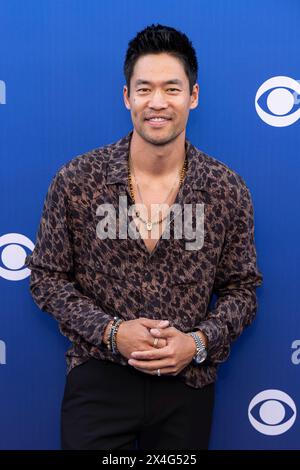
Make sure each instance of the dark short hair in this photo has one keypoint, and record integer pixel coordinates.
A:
(156, 39)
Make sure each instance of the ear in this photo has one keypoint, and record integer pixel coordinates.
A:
(125, 96)
(195, 96)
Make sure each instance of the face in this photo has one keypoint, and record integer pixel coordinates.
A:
(159, 87)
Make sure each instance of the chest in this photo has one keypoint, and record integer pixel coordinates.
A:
(153, 208)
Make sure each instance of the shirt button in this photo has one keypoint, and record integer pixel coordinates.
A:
(147, 276)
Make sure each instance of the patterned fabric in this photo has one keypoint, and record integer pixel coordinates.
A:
(83, 281)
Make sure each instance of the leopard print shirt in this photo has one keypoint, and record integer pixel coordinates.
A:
(84, 281)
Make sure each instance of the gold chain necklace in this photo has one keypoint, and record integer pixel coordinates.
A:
(149, 223)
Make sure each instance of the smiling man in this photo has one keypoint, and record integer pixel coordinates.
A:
(146, 335)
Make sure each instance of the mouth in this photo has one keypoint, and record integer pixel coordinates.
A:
(157, 122)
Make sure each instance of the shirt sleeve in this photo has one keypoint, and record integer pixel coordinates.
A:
(237, 277)
(52, 283)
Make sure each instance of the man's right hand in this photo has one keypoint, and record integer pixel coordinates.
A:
(134, 335)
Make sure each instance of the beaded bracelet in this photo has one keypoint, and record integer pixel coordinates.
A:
(114, 335)
(111, 332)
(112, 343)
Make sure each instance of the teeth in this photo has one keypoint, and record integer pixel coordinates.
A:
(157, 119)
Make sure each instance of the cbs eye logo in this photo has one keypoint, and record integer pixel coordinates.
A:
(13, 256)
(280, 101)
(275, 410)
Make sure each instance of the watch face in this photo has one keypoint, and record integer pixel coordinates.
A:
(201, 356)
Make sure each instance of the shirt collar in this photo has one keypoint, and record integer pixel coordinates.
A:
(116, 171)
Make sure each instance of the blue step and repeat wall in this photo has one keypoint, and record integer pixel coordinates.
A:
(61, 95)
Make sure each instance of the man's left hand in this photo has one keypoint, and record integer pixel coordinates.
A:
(171, 359)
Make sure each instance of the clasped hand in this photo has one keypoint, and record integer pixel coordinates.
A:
(170, 359)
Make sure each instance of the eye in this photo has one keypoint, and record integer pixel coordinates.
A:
(148, 89)
(272, 412)
(282, 95)
(13, 256)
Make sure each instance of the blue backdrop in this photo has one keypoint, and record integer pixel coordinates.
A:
(61, 95)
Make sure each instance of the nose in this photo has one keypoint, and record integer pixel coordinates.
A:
(158, 100)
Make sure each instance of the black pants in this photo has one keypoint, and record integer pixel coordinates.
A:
(111, 406)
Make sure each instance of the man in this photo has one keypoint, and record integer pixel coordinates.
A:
(146, 337)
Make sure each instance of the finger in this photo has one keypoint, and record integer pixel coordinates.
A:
(160, 343)
(151, 354)
(156, 342)
(164, 371)
(148, 322)
(150, 365)
(163, 333)
(163, 324)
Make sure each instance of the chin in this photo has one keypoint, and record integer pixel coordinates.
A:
(159, 139)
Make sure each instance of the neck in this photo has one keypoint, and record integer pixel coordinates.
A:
(157, 161)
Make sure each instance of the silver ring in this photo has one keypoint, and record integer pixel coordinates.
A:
(158, 372)
(155, 342)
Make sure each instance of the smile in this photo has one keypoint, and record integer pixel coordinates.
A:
(155, 122)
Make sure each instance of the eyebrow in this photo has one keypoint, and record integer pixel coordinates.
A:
(174, 81)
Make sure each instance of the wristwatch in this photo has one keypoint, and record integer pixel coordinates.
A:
(201, 353)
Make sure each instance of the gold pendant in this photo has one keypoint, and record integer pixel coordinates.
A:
(149, 225)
